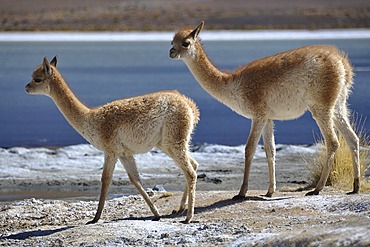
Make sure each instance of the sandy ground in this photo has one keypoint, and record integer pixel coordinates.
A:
(288, 219)
(116, 15)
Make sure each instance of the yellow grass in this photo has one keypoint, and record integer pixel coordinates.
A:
(341, 175)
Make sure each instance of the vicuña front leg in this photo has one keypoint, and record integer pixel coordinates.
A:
(106, 179)
(250, 149)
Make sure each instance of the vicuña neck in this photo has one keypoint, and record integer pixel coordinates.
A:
(209, 77)
(70, 106)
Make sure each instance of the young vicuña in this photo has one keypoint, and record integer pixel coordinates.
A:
(317, 78)
(127, 127)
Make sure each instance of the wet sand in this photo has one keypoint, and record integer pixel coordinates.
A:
(223, 172)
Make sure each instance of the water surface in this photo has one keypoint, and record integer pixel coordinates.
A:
(99, 72)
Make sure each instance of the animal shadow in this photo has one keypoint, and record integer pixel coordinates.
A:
(37, 233)
(231, 201)
(215, 205)
(225, 203)
(135, 218)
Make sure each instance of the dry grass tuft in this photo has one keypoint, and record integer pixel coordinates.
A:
(341, 175)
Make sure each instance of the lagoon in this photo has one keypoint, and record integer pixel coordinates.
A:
(102, 71)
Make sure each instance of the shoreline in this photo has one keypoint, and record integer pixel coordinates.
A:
(220, 35)
(76, 170)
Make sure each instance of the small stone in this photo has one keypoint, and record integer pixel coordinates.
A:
(159, 187)
(149, 191)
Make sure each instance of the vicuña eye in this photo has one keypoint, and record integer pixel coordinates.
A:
(37, 80)
(186, 44)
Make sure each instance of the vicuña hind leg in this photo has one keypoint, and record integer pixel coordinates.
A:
(269, 144)
(185, 195)
(184, 201)
(324, 119)
(131, 169)
(187, 164)
(342, 123)
(106, 179)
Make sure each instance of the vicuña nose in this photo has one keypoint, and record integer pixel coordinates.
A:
(27, 88)
(172, 51)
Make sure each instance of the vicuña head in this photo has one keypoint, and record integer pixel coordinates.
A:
(317, 78)
(127, 127)
(40, 83)
(185, 43)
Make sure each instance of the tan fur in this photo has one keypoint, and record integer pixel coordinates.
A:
(317, 78)
(127, 127)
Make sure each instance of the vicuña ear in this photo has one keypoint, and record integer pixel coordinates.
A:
(46, 66)
(54, 61)
(194, 34)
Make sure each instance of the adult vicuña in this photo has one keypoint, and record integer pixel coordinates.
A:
(280, 87)
(126, 127)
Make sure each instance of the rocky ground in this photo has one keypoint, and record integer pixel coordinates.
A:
(288, 219)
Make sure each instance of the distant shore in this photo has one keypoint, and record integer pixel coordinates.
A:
(164, 15)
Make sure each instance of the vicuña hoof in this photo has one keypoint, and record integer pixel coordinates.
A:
(269, 194)
(352, 192)
(356, 187)
(313, 193)
(156, 218)
(185, 221)
(178, 212)
(91, 222)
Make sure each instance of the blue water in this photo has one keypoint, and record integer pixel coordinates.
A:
(99, 72)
